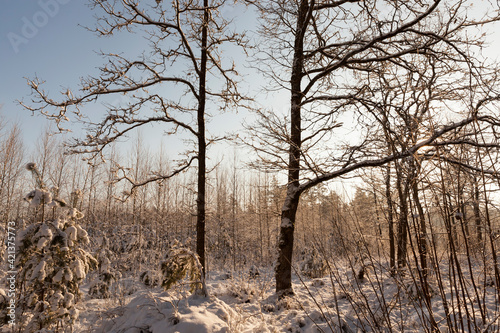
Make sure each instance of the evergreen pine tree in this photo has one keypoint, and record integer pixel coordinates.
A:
(181, 263)
(51, 263)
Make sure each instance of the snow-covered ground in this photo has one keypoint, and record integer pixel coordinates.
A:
(335, 303)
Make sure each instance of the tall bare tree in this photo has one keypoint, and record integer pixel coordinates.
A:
(321, 52)
(167, 84)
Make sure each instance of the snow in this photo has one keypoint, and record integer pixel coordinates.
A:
(330, 296)
(286, 222)
(55, 299)
(58, 277)
(160, 314)
(44, 231)
(247, 304)
(105, 265)
(39, 272)
(69, 300)
(74, 213)
(38, 196)
(72, 233)
(68, 276)
(79, 269)
(82, 234)
(42, 242)
(58, 223)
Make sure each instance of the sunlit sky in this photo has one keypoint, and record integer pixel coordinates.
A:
(47, 39)
(47, 42)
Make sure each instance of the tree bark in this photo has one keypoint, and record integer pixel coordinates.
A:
(390, 221)
(202, 146)
(477, 213)
(422, 241)
(285, 245)
(403, 192)
(289, 209)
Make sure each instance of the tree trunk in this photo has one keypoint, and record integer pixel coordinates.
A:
(285, 244)
(258, 210)
(233, 219)
(202, 146)
(403, 192)
(289, 209)
(390, 221)
(422, 239)
(477, 212)
(452, 225)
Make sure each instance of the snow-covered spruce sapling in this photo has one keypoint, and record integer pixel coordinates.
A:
(41, 197)
(4, 308)
(51, 264)
(150, 278)
(101, 287)
(181, 263)
(312, 263)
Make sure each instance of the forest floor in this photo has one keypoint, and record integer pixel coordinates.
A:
(339, 302)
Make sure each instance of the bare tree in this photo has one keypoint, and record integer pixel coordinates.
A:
(11, 160)
(322, 53)
(165, 85)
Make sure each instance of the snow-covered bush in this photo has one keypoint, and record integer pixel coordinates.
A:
(253, 272)
(127, 239)
(4, 310)
(312, 264)
(179, 264)
(51, 265)
(129, 244)
(151, 278)
(244, 290)
(243, 287)
(101, 287)
(220, 245)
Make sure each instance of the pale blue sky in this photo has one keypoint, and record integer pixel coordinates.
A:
(43, 38)
(46, 38)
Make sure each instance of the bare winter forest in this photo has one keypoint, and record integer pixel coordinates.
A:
(368, 202)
